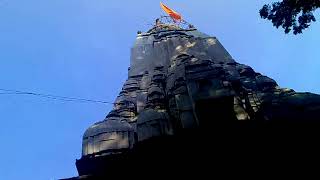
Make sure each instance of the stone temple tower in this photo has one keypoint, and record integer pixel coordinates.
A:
(181, 79)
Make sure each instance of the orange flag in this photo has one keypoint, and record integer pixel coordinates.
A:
(174, 15)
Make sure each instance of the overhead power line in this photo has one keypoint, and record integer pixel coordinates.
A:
(49, 96)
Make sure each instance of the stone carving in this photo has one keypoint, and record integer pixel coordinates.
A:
(175, 75)
(184, 79)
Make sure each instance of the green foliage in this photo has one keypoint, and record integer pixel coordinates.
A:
(295, 15)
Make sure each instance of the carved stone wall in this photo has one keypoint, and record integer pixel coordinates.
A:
(184, 79)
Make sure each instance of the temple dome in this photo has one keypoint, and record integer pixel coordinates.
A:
(153, 123)
(109, 125)
(107, 137)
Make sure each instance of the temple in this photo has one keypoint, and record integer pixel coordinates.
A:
(183, 83)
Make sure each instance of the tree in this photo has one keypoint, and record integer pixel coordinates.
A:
(295, 15)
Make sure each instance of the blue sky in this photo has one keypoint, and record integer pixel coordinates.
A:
(81, 48)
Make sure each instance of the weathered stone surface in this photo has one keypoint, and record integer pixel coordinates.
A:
(108, 137)
(184, 79)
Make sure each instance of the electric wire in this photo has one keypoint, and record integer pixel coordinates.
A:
(4, 91)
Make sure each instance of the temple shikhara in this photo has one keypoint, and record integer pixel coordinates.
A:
(181, 82)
